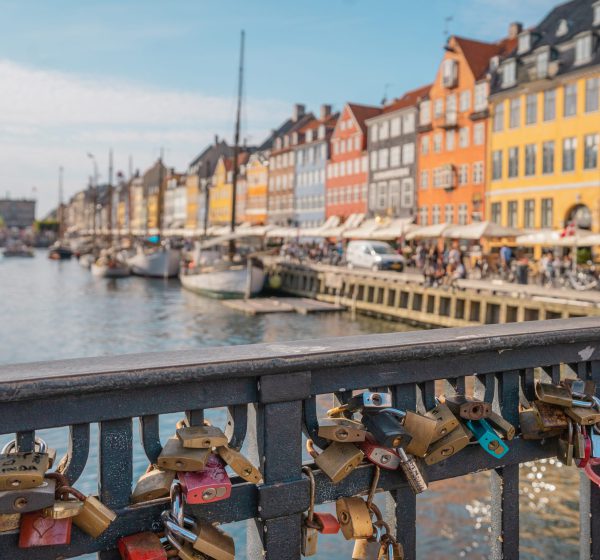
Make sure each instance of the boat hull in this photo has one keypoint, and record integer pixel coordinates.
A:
(105, 271)
(226, 284)
(159, 264)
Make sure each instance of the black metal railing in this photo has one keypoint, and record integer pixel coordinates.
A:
(270, 391)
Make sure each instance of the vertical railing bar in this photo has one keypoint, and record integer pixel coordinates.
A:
(150, 436)
(195, 417)
(528, 383)
(77, 452)
(310, 422)
(237, 425)
(427, 392)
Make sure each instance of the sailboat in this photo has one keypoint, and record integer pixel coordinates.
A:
(216, 272)
(59, 251)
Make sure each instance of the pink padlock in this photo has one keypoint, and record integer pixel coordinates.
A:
(211, 484)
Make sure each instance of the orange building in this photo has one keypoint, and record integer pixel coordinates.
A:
(452, 133)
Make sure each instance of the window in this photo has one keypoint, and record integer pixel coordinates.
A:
(478, 172)
(596, 14)
(383, 158)
(592, 90)
(449, 213)
(395, 127)
(541, 64)
(382, 193)
(408, 153)
(357, 142)
(450, 140)
(342, 146)
(513, 161)
(437, 142)
(424, 179)
(425, 112)
(463, 137)
(529, 213)
(435, 214)
(590, 156)
(497, 164)
(509, 73)
(515, 112)
(363, 164)
(463, 174)
(394, 190)
(569, 149)
(583, 49)
(449, 73)
(425, 145)
(547, 213)
(423, 215)
(531, 109)
(384, 130)
(511, 218)
(407, 192)
(550, 105)
(499, 117)
(356, 193)
(496, 211)
(570, 106)
(524, 42)
(374, 130)
(530, 157)
(438, 108)
(349, 144)
(481, 96)
(408, 123)
(479, 134)
(373, 156)
(463, 214)
(357, 165)
(464, 102)
(395, 156)
(563, 28)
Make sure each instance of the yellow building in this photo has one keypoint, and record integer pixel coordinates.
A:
(542, 152)
(257, 172)
(219, 206)
(192, 185)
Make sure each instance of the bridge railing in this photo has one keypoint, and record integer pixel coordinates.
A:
(270, 392)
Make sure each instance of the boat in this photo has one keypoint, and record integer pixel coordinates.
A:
(59, 252)
(158, 262)
(87, 260)
(110, 266)
(18, 249)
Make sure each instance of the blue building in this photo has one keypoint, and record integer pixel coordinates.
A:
(312, 153)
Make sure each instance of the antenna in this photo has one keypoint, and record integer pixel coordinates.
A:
(385, 92)
(447, 21)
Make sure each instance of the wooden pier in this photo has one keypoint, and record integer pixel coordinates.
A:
(301, 305)
(404, 297)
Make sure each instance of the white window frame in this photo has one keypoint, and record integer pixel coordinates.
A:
(509, 73)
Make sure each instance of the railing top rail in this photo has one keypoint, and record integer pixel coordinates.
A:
(27, 381)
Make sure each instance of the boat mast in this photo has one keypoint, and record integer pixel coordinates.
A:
(161, 195)
(59, 214)
(109, 206)
(236, 145)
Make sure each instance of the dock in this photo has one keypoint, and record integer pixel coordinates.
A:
(301, 305)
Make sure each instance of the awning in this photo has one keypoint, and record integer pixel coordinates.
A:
(478, 230)
(331, 222)
(557, 238)
(395, 229)
(286, 232)
(364, 231)
(428, 232)
(353, 221)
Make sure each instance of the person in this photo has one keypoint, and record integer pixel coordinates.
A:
(505, 257)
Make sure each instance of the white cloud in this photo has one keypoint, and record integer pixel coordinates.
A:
(50, 118)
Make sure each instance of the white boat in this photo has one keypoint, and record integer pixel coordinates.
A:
(162, 262)
(87, 260)
(226, 282)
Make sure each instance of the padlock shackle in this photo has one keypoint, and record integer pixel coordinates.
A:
(313, 490)
(177, 503)
(401, 414)
(11, 447)
(310, 448)
(61, 479)
(171, 527)
(64, 491)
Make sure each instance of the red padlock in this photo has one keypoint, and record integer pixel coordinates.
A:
(211, 484)
(327, 522)
(385, 457)
(143, 546)
(37, 530)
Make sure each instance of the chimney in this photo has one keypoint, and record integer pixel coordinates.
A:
(514, 29)
(298, 112)
(325, 111)
(216, 139)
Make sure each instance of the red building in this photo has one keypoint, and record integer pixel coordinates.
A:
(347, 171)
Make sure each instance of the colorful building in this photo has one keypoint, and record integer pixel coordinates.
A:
(392, 140)
(544, 131)
(312, 153)
(347, 169)
(257, 178)
(221, 191)
(452, 133)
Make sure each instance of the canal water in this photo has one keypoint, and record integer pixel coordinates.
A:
(53, 310)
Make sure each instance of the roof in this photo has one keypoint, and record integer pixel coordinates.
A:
(211, 155)
(243, 157)
(478, 54)
(362, 113)
(409, 99)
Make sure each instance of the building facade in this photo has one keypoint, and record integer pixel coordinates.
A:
(175, 213)
(392, 140)
(17, 213)
(221, 191)
(452, 133)
(347, 170)
(257, 178)
(544, 133)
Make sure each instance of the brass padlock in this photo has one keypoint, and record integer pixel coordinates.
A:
(566, 446)
(579, 443)
(22, 470)
(9, 522)
(366, 549)
(554, 394)
(201, 437)
(63, 509)
(354, 517)
(341, 429)
(154, 483)
(530, 422)
(449, 445)
(94, 517)
(583, 416)
(390, 549)
(422, 429)
(338, 460)
(445, 420)
(27, 500)
(240, 464)
(175, 457)
(501, 425)
(469, 409)
(551, 416)
(310, 533)
(583, 387)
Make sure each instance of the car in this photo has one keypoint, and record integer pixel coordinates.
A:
(376, 255)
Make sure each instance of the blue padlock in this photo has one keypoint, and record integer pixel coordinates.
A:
(487, 438)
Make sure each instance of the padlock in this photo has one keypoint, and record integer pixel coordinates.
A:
(63, 509)
(579, 443)
(595, 442)
(327, 523)
(487, 438)
(390, 549)
(175, 457)
(385, 457)
(31, 499)
(501, 425)
(529, 423)
(551, 417)
(580, 387)
(469, 409)
(366, 549)
(387, 429)
(582, 461)
(9, 522)
(153, 484)
(341, 429)
(94, 517)
(364, 401)
(445, 420)
(566, 445)
(413, 472)
(205, 538)
(211, 484)
(22, 470)
(583, 416)
(239, 464)
(554, 394)
(37, 530)
(141, 546)
(354, 517)
(310, 536)
(421, 429)
(449, 445)
(201, 437)
(338, 460)
(185, 551)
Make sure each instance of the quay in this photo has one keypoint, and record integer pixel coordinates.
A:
(402, 296)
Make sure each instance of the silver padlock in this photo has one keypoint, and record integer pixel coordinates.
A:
(32, 499)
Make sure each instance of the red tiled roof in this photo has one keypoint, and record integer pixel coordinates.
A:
(315, 123)
(362, 113)
(478, 54)
(242, 159)
(409, 99)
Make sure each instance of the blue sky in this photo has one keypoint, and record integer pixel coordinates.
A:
(137, 75)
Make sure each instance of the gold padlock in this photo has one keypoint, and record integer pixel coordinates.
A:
(551, 417)
(583, 416)
(22, 470)
(94, 517)
(354, 517)
(445, 420)
(469, 409)
(63, 509)
(554, 394)
(239, 464)
(310, 533)
(529, 422)
(9, 522)
(201, 437)
(213, 542)
(338, 460)
(365, 549)
(422, 429)
(175, 457)
(449, 445)
(154, 483)
(501, 425)
(341, 429)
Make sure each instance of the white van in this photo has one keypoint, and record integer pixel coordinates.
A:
(375, 255)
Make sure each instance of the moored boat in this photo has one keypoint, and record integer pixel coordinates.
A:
(59, 253)
(110, 266)
(18, 249)
(159, 262)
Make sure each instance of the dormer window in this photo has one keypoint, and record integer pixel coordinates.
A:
(286, 141)
(278, 143)
(596, 8)
(494, 63)
(541, 64)
(563, 28)
(583, 48)
(524, 42)
(321, 131)
(294, 138)
(509, 73)
(449, 73)
(309, 135)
